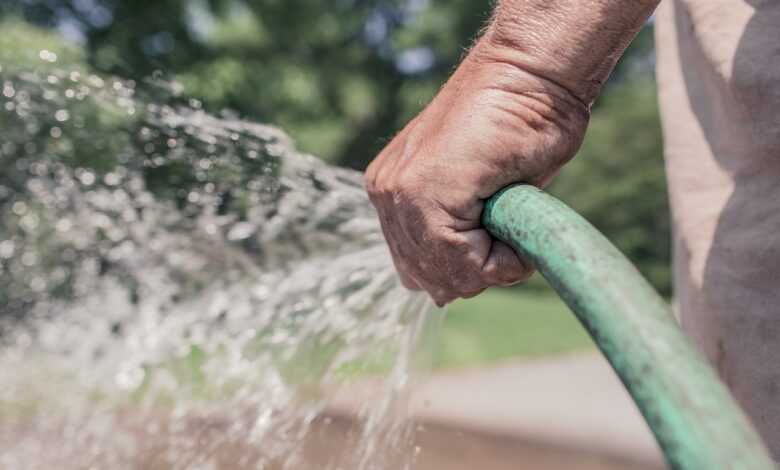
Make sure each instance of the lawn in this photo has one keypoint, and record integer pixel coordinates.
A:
(508, 323)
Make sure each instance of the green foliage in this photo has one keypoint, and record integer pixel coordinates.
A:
(65, 126)
(34, 41)
(503, 323)
(617, 180)
(337, 76)
(332, 76)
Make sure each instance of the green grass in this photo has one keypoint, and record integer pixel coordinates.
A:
(508, 323)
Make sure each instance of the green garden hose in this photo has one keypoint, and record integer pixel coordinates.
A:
(697, 423)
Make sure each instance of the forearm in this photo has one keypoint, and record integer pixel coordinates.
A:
(572, 43)
(515, 110)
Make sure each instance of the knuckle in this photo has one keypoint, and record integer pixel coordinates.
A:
(379, 192)
(407, 186)
(470, 295)
(408, 180)
(374, 196)
(460, 249)
(514, 276)
(372, 170)
(372, 189)
(491, 270)
(468, 284)
(461, 245)
(369, 182)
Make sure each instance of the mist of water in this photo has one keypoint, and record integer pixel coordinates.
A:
(183, 290)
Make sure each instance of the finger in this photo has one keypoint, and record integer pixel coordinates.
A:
(441, 297)
(504, 267)
(469, 295)
(467, 256)
(438, 286)
(425, 260)
(382, 167)
(407, 280)
(401, 268)
(448, 264)
(433, 281)
(391, 237)
(387, 162)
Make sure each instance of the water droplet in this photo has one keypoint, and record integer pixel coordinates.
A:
(7, 248)
(87, 178)
(96, 81)
(62, 115)
(8, 90)
(64, 225)
(29, 222)
(19, 208)
(47, 56)
(130, 378)
(240, 231)
(38, 284)
(111, 179)
(29, 259)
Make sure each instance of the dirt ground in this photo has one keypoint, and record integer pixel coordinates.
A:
(330, 445)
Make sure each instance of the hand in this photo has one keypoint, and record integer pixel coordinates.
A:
(491, 125)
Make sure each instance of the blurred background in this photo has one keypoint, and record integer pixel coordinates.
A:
(342, 76)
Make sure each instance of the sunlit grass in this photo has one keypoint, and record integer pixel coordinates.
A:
(504, 324)
(499, 325)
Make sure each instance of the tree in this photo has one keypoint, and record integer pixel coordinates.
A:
(617, 180)
(342, 76)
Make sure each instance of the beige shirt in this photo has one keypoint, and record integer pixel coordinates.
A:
(719, 84)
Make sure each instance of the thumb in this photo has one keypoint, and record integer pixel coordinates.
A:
(504, 267)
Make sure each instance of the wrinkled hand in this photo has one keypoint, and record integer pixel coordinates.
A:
(491, 125)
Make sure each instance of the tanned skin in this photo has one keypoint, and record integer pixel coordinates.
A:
(515, 110)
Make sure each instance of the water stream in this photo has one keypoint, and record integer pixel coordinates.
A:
(181, 290)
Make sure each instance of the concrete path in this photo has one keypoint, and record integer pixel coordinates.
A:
(575, 402)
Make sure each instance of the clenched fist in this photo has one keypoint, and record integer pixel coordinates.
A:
(514, 111)
(491, 125)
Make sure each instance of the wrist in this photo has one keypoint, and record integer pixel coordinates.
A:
(502, 70)
(570, 43)
(507, 108)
